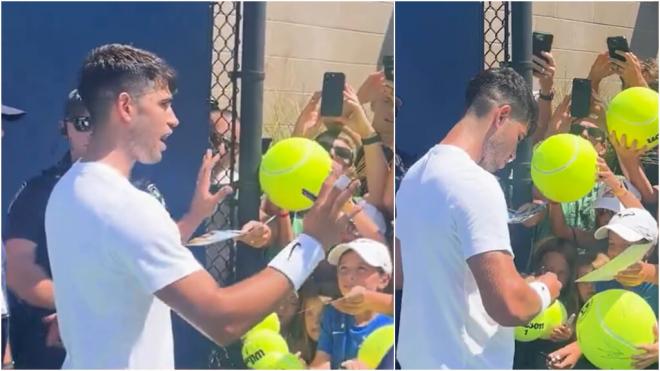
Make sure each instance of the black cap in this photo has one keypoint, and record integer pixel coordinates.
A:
(74, 106)
(11, 113)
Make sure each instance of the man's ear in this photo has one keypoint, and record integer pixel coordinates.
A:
(504, 113)
(124, 106)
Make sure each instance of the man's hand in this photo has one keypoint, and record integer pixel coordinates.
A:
(355, 302)
(626, 152)
(354, 116)
(354, 364)
(564, 358)
(53, 332)
(600, 69)
(371, 88)
(325, 221)
(630, 70)
(204, 202)
(255, 234)
(550, 280)
(561, 117)
(649, 353)
(606, 175)
(637, 274)
(309, 117)
(544, 70)
(561, 333)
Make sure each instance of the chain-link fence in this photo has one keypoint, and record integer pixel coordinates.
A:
(223, 131)
(223, 135)
(496, 33)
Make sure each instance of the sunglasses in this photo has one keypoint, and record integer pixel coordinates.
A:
(80, 123)
(596, 133)
(342, 153)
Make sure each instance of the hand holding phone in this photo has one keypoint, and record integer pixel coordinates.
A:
(581, 98)
(332, 95)
(541, 42)
(619, 43)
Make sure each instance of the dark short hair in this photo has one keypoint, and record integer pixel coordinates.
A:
(498, 86)
(112, 69)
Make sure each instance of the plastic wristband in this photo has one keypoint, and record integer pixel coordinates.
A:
(298, 259)
(543, 292)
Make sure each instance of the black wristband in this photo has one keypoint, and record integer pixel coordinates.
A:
(371, 139)
(548, 97)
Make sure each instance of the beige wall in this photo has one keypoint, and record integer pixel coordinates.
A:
(306, 39)
(580, 30)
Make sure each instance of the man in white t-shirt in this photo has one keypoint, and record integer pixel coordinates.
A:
(461, 291)
(116, 256)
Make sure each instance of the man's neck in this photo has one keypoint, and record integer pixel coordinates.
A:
(109, 153)
(469, 135)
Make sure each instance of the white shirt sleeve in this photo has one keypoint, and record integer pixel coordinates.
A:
(149, 246)
(480, 214)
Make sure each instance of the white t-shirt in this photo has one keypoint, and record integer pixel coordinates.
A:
(111, 246)
(449, 209)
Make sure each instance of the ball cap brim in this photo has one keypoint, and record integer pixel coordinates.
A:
(632, 225)
(373, 252)
(11, 113)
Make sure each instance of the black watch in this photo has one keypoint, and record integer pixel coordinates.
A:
(371, 139)
(548, 97)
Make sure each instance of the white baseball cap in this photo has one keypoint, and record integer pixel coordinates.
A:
(632, 225)
(607, 200)
(373, 252)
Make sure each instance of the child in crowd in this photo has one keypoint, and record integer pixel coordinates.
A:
(362, 265)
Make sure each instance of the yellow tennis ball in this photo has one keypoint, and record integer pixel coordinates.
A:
(279, 361)
(564, 167)
(270, 322)
(553, 317)
(290, 166)
(376, 345)
(542, 325)
(610, 327)
(634, 112)
(260, 343)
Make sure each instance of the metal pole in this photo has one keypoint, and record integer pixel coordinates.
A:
(249, 260)
(521, 38)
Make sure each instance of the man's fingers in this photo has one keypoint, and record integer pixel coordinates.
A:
(326, 187)
(342, 195)
(222, 193)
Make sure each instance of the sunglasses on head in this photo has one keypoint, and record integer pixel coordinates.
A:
(80, 123)
(596, 133)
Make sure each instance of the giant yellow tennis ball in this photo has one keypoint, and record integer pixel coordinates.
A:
(279, 361)
(611, 324)
(270, 322)
(564, 167)
(634, 112)
(376, 345)
(260, 343)
(541, 326)
(290, 166)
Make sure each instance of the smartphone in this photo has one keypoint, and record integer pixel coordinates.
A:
(541, 42)
(615, 43)
(332, 96)
(388, 66)
(581, 98)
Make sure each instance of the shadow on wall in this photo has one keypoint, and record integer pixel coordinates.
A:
(645, 35)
